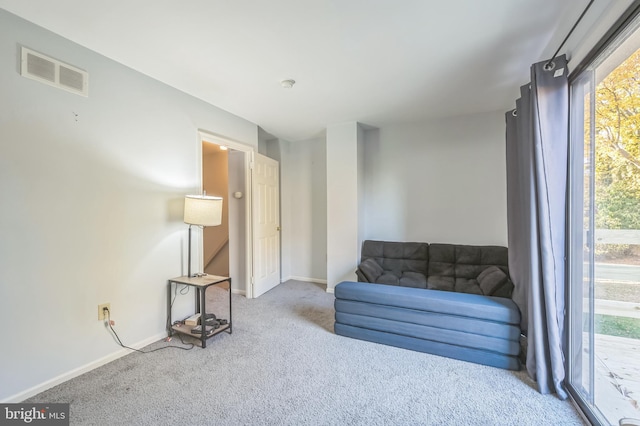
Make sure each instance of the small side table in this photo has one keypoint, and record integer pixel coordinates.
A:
(200, 284)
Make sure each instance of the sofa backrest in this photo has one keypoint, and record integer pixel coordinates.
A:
(397, 257)
(456, 267)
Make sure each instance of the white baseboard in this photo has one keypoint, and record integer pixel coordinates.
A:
(306, 279)
(330, 289)
(19, 397)
(238, 291)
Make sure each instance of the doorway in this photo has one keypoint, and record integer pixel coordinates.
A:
(226, 248)
(246, 246)
(215, 181)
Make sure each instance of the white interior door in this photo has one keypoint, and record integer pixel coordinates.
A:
(266, 224)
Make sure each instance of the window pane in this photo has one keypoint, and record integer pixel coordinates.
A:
(604, 302)
(580, 368)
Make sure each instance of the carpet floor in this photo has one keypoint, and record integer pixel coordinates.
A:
(283, 365)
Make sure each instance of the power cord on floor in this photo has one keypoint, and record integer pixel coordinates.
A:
(110, 323)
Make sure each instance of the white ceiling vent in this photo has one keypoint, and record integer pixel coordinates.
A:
(53, 72)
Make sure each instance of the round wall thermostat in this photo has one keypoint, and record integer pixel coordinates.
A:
(237, 194)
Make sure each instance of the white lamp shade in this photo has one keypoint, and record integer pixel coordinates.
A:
(202, 210)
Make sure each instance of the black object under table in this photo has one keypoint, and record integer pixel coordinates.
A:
(201, 284)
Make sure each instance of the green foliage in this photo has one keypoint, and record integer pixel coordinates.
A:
(617, 142)
(617, 326)
(608, 252)
(617, 206)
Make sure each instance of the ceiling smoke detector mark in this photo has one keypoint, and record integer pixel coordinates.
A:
(53, 72)
(288, 84)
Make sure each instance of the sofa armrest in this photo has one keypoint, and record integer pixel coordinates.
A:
(495, 282)
(369, 271)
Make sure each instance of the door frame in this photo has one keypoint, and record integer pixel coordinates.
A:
(205, 136)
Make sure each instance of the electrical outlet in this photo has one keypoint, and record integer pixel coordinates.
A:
(101, 315)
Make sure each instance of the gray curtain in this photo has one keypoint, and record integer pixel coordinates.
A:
(537, 147)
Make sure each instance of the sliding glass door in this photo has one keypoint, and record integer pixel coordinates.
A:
(603, 355)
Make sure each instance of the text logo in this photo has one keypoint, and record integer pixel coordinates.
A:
(34, 414)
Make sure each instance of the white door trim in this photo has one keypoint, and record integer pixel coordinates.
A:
(205, 136)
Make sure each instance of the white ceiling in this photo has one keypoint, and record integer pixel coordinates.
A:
(372, 61)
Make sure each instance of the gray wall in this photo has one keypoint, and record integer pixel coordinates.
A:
(92, 195)
(342, 202)
(437, 181)
(308, 200)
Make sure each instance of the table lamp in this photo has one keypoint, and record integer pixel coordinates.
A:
(201, 210)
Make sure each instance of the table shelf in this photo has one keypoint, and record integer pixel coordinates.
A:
(200, 284)
(186, 329)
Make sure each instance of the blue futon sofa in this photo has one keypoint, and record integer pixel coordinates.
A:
(443, 299)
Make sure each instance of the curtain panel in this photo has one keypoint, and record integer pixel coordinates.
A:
(537, 152)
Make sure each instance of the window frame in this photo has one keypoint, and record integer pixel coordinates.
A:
(578, 76)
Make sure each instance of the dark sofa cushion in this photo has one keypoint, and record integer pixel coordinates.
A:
(407, 279)
(397, 257)
(494, 282)
(413, 279)
(465, 261)
(456, 267)
(467, 285)
(388, 278)
(371, 270)
(442, 260)
(448, 267)
(435, 282)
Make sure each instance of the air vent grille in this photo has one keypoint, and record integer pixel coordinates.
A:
(71, 78)
(41, 67)
(53, 72)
